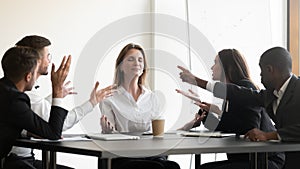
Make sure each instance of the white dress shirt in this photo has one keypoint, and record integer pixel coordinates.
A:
(42, 106)
(128, 115)
(279, 94)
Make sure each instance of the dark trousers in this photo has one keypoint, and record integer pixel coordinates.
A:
(144, 163)
(14, 162)
(229, 164)
(292, 160)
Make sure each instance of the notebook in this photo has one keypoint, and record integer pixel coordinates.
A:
(115, 136)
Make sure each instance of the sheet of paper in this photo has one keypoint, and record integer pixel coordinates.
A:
(73, 138)
(207, 134)
(115, 136)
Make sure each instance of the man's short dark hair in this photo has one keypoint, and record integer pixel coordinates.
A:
(18, 61)
(279, 58)
(34, 41)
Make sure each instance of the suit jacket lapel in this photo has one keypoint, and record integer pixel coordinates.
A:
(268, 102)
(270, 111)
(288, 94)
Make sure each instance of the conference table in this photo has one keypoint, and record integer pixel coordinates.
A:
(150, 146)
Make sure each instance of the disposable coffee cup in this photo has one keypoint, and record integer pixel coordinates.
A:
(158, 126)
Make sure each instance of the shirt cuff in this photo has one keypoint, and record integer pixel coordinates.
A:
(210, 86)
(278, 136)
(24, 133)
(58, 102)
(49, 98)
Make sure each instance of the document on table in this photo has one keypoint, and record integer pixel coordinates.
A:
(167, 132)
(115, 136)
(73, 138)
(207, 134)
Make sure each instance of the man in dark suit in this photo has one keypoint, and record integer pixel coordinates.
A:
(280, 98)
(20, 65)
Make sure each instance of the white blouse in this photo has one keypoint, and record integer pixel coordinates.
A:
(128, 115)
